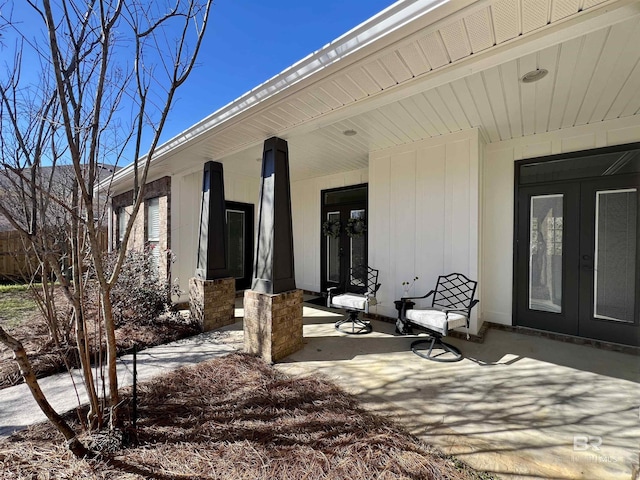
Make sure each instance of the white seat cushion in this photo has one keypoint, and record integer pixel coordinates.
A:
(352, 301)
(435, 319)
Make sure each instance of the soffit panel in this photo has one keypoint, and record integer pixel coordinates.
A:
(456, 40)
(535, 14)
(592, 78)
(480, 30)
(563, 8)
(396, 66)
(414, 58)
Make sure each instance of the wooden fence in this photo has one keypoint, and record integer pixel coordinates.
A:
(15, 261)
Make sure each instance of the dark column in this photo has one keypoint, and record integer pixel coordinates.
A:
(273, 270)
(212, 245)
(212, 292)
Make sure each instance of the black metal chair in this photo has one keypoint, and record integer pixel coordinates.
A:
(451, 304)
(358, 296)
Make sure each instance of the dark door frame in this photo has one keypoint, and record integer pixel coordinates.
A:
(565, 321)
(517, 277)
(249, 211)
(344, 239)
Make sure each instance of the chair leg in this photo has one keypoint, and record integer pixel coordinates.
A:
(358, 326)
(451, 353)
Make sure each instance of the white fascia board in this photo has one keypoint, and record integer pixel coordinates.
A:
(553, 34)
(372, 30)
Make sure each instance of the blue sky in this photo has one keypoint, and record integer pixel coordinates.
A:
(246, 43)
(249, 41)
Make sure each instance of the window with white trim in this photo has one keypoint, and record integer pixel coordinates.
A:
(122, 224)
(153, 229)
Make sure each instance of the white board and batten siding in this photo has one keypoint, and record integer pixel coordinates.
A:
(498, 199)
(185, 217)
(424, 204)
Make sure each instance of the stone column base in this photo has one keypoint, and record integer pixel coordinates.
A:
(212, 302)
(272, 324)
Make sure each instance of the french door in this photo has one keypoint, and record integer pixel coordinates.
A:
(344, 214)
(548, 258)
(610, 260)
(577, 266)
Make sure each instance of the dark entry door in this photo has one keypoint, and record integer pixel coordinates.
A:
(346, 247)
(577, 265)
(610, 260)
(240, 225)
(547, 260)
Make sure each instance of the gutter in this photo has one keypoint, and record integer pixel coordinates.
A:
(370, 31)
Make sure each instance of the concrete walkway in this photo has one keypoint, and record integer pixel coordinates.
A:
(18, 409)
(517, 405)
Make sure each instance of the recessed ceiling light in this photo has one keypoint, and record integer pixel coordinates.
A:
(350, 133)
(534, 75)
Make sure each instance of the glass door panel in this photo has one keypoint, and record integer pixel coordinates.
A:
(333, 252)
(357, 252)
(615, 255)
(545, 258)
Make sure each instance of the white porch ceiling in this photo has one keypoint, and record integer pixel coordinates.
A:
(459, 73)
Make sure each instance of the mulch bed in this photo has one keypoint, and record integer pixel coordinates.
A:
(47, 360)
(238, 418)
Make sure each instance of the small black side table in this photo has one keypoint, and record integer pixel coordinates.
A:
(401, 327)
(398, 304)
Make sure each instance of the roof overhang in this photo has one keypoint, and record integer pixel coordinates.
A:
(408, 49)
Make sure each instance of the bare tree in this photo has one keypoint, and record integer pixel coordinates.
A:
(110, 72)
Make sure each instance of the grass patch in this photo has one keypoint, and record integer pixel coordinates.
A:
(16, 304)
(236, 418)
(13, 287)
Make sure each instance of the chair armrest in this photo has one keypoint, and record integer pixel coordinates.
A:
(330, 294)
(403, 299)
(464, 311)
(403, 308)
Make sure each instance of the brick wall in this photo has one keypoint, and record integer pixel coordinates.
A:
(160, 188)
(272, 324)
(212, 302)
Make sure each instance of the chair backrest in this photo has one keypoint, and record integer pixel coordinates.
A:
(363, 279)
(454, 291)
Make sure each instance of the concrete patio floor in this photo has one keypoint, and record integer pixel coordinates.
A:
(518, 406)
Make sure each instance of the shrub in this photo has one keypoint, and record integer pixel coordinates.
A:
(140, 295)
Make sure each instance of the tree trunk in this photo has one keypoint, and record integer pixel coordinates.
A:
(93, 417)
(110, 328)
(48, 305)
(20, 356)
